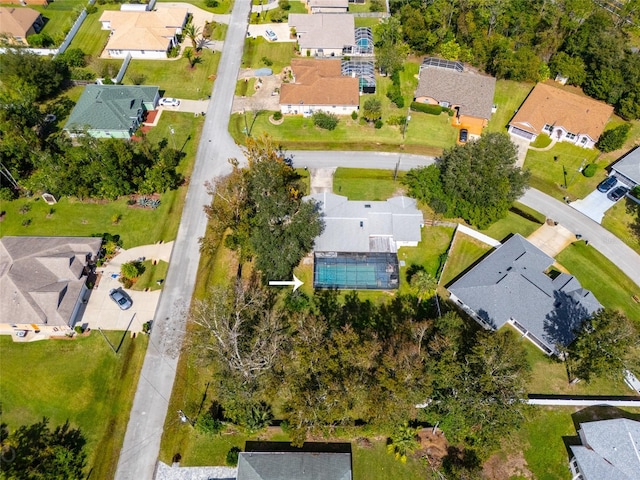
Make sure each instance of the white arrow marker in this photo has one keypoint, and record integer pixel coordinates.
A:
(295, 282)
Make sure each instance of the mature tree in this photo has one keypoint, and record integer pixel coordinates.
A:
(391, 50)
(423, 284)
(37, 452)
(43, 73)
(571, 67)
(602, 345)
(403, 442)
(613, 138)
(477, 181)
(192, 33)
(372, 109)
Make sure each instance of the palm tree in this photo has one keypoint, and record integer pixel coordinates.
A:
(192, 32)
(191, 56)
(424, 284)
(403, 442)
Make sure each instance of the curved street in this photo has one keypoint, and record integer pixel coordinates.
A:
(141, 446)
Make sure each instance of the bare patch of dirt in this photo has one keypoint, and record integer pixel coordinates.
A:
(497, 467)
(433, 446)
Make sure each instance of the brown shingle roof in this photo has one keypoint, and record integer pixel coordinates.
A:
(547, 105)
(319, 82)
(471, 91)
(17, 21)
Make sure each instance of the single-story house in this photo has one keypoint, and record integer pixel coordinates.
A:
(564, 116)
(111, 111)
(281, 461)
(627, 169)
(328, 6)
(324, 35)
(609, 450)
(17, 23)
(42, 280)
(511, 286)
(143, 34)
(468, 93)
(358, 247)
(319, 85)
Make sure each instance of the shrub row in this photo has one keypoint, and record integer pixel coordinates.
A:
(430, 109)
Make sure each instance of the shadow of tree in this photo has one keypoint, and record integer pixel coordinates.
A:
(562, 323)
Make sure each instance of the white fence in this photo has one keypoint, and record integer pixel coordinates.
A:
(479, 236)
(123, 69)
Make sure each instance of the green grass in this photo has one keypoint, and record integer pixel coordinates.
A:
(512, 223)
(464, 253)
(224, 6)
(152, 273)
(137, 226)
(375, 463)
(219, 31)
(619, 219)
(612, 288)
(90, 38)
(366, 21)
(81, 380)
(245, 88)
(257, 49)
(509, 95)
(543, 140)
(428, 254)
(359, 7)
(59, 16)
(547, 173)
(367, 184)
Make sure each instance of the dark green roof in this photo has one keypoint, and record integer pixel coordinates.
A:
(110, 107)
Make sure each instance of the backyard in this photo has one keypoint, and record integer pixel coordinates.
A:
(59, 17)
(79, 380)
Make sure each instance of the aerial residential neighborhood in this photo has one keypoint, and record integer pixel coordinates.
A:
(319, 239)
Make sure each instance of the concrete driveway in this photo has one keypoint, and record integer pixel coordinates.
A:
(102, 312)
(282, 31)
(552, 239)
(522, 146)
(594, 205)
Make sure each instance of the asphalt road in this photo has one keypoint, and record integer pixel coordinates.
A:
(139, 452)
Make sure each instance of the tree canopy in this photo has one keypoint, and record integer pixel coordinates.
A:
(477, 181)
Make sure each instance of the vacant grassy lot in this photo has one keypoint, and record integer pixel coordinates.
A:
(596, 273)
(137, 226)
(152, 274)
(257, 50)
(619, 220)
(547, 172)
(366, 184)
(222, 7)
(508, 97)
(81, 380)
(464, 253)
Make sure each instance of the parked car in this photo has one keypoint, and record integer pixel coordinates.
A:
(464, 135)
(617, 193)
(21, 333)
(607, 184)
(270, 35)
(631, 380)
(121, 298)
(169, 102)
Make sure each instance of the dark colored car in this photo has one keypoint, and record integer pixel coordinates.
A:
(464, 135)
(121, 298)
(607, 184)
(617, 193)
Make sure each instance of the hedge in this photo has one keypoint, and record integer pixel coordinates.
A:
(427, 108)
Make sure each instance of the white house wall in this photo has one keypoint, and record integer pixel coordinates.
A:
(309, 109)
(139, 54)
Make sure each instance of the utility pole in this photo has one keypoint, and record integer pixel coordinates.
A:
(564, 172)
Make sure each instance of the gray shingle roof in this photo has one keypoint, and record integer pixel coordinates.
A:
(510, 283)
(324, 30)
(610, 450)
(40, 277)
(294, 466)
(397, 219)
(110, 107)
(471, 91)
(629, 165)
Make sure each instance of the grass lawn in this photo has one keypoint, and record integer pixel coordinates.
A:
(90, 38)
(542, 141)
(266, 15)
(374, 463)
(59, 17)
(219, 32)
(547, 173)
(138, 226)
(619, 220)
(512, 223)
(509, 95)
(463, 254)
(256, 50)
(366, 21)
(224, 6)
(429, 253)
(152, 273)
(367, 184)
(245, 88)
(596, 273)
(81, 380)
